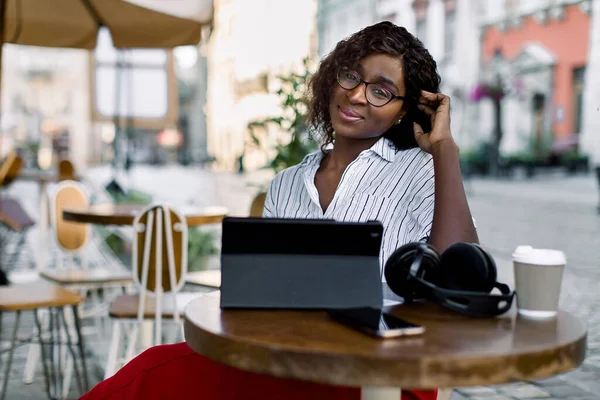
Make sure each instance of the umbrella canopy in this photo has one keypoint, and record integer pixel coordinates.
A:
(132, 23)
(75, 23)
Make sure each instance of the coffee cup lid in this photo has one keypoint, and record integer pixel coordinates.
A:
(530, 255)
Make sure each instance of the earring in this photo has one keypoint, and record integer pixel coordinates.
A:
(399, 120)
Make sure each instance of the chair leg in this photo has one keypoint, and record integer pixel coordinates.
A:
(81, 348)
(132, 342)
(41, 348)
(33, 355)
(113, 350)
(10, 355)
(96, 305)
(72, 360)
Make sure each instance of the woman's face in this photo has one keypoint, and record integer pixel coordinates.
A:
(352, 116)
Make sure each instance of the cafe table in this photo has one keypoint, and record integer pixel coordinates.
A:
(455, 350)
(124, 214)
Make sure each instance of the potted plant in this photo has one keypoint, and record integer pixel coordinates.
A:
(294, 141)
(201, 246)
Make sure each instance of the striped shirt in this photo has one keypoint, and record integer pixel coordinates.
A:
(382, 184)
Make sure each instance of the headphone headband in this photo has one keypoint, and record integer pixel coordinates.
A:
(475, 304)
(416, 258)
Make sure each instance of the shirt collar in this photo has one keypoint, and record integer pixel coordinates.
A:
(385, 149)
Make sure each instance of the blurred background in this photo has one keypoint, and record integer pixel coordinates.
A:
(522, 76)
(210, 124)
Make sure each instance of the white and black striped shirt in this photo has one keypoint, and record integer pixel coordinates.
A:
(383, 184)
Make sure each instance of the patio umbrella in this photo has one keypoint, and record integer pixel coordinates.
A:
(75, 23)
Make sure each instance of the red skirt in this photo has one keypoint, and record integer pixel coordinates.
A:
(176, 372)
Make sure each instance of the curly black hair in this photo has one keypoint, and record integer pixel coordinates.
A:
(420, 73)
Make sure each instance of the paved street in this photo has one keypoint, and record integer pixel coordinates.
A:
(553, 211)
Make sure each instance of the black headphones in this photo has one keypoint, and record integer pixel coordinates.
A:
(461, 278)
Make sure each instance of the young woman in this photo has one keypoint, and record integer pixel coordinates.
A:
(371, 98)
(367, 98)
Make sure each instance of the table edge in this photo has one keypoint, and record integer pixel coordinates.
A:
(448, 372)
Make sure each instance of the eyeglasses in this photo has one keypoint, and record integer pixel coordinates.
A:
(376, 94)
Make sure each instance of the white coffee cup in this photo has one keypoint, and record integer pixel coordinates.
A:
(538, 278)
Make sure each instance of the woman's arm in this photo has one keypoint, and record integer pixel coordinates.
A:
(452, 221)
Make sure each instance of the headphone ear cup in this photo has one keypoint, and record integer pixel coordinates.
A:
(397, 269)
(492, 269)
(465, 266)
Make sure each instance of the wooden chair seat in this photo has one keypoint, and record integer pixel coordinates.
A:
(210, 278)
(92, 276)
(36, 295)
(126, 306)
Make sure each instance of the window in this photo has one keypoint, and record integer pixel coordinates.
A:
(578, 78)
(131, 83)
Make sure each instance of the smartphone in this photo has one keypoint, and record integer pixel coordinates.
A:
(375, 322)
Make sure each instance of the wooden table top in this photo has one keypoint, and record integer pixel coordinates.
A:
(454, 351)
(29, 296)
(90, 276)
(124, 214)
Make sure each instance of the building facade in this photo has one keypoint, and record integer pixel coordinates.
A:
(590, 134)
(544, 47)
(337, 19)
(539, 49)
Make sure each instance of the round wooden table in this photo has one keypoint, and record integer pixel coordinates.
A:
(124, 214)
(454, 351)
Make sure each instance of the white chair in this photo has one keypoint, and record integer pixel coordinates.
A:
(159, 268)
(73, 240)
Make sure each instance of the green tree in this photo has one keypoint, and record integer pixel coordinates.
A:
(294, 141)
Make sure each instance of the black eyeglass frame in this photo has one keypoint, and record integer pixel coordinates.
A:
(361, 80)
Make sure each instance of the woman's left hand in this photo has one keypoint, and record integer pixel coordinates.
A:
(437, 107)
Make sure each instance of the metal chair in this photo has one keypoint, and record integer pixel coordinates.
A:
(71, 238)
(159, 267)
(34, 297)
(74, 240)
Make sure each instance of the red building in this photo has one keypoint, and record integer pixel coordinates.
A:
(550, 48)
